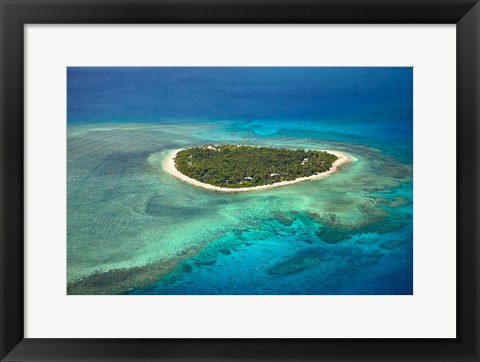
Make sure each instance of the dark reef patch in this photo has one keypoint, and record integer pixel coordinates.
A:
(186, 268)
(331, 261)
(296, 264)
(308, 241)
(375, 219)
(122, 280)
(202, 261)
(283, 218)
(118, 281)
(399, 201)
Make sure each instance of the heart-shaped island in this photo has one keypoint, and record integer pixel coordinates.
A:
(234, 168)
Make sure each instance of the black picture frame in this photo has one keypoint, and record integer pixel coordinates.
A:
(16, 13)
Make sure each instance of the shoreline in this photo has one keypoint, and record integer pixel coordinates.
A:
(168, 165)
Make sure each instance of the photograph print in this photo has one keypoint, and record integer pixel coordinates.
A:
(239, 181)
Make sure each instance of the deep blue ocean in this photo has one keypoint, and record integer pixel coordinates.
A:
(134, 229)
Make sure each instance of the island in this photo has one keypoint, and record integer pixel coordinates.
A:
(236, 168)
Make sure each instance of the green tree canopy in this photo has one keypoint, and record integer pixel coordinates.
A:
(236, 166)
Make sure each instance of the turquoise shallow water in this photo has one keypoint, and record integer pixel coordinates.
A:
(350, 233)
(133, 229)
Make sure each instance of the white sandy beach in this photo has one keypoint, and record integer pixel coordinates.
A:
(169, 166)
